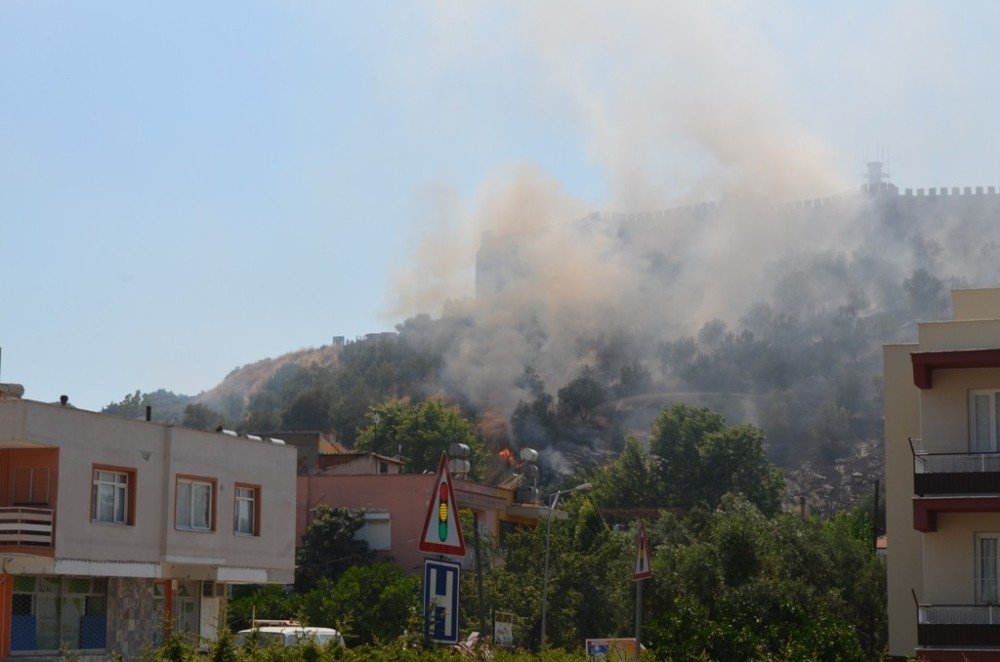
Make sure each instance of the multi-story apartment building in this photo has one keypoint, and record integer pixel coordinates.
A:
(942, 444)
(111, 529)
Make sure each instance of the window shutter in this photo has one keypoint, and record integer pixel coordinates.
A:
(31, 485)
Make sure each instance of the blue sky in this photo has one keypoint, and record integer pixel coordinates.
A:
(190, 187)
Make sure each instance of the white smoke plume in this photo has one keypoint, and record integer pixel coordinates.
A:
(678, 103)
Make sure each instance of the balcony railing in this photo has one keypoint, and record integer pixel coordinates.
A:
(955, 473)
(30, 527)
(958, 614)
(958, 625)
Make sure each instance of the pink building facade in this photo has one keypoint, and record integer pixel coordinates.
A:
(395, 507)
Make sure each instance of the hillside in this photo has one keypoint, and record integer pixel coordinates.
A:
(229, 397)
(582, 331)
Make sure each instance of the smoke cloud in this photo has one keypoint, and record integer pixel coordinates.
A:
(717, 205)
(677, 104)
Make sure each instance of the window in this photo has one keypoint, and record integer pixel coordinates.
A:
(195, 505)
(53, 613)
(112, 495)
(987, 563)
(376, 531)
(246, 517)
(984, 412)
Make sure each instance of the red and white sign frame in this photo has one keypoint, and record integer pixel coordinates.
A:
(642, 568)
(442, 536)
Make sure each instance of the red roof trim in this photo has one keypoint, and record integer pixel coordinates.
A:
(925, 363)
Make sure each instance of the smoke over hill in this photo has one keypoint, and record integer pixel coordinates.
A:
(735, 296)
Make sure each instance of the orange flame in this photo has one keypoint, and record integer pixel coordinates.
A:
(508, 455)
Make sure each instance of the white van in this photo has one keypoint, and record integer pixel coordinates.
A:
(287, 633)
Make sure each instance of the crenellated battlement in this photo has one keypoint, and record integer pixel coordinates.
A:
(877, 199)
(701, 207)
(652, 215)
(955, 191)
(881, 189)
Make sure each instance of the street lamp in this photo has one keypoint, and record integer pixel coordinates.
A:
(548, 536)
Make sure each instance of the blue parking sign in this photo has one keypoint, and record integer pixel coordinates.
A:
(441, 601)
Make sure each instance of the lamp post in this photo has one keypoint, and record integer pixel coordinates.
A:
(548, 536)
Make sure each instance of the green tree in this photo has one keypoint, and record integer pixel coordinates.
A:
(589, 526)
(269, 601)
(849, 537)
(347, 415)
(678, 433)
(589, 570)
(701, 459)
(374, 600)
(201, 417)
(133, 405)
(309, 410)
(262, 413)
(733, 460)
(166, 406)
(633, 379)
(733, 583)
(535, 422)
(926, 294)
(628, 480)
(583, 395)
(420, 433)
(329, 547)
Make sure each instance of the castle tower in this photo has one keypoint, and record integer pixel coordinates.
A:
(878, 179)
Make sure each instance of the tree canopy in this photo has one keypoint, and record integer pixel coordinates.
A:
(420, 433)
(370, 603)
(729, 583)
(328, 546)
(583, 395)
(165, 406)
(699, 459)
(694, 458)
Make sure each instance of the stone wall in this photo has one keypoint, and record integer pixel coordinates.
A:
(133, 623)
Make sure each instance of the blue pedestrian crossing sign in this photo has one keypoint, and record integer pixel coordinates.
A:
(441, 601)
(642, 568)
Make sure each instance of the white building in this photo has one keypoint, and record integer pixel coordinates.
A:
(110, 528)
(942, 445)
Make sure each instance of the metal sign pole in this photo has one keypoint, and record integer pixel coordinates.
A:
(641, 574)
(638, 616)
(479, 573)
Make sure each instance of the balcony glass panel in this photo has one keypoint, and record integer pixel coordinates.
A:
(954, 463)
(959, 615)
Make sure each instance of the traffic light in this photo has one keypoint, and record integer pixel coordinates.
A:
(444, 511)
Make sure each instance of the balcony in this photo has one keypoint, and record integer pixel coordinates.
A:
(26, 527)
(956, 473)
(958, 626)
(953, 483)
